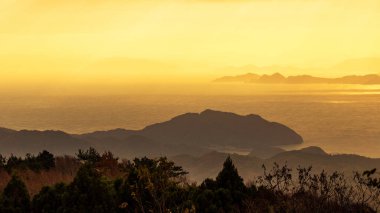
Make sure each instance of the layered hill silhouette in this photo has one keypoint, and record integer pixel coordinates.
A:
(190, 133)
(278, 78)
(192, 140)
(33, 141)
(221, 128)
(206, 166)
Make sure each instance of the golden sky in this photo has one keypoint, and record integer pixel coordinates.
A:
(117, 41)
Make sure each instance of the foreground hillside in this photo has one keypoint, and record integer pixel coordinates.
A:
(102, 183)
(250, 166)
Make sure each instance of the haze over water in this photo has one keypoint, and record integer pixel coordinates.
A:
(82, 66)
(345, 121)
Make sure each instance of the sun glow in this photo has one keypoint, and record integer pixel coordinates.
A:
(105, 42)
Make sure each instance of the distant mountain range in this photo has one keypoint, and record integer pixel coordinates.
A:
(354, 70)
(278, 78)
(190, 133)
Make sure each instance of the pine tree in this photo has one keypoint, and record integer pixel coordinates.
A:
(46, 160)
(15, 197)
(89, 192)
(229, 177)
(50, 199)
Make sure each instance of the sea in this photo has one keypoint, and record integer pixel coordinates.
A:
(339, 121)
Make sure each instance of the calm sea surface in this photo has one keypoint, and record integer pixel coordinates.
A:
(338, 123)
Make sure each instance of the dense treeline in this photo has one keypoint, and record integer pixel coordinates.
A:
(158, 185)
(44, 160)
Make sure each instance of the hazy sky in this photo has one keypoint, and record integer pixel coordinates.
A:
(92, 41)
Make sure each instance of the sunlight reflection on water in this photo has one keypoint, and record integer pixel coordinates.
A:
(339, 123)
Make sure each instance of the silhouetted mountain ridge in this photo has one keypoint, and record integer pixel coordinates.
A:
(190, 133)
(188, 139)
(206, 166)
(277, 78)
(221, 128)
(33, 141)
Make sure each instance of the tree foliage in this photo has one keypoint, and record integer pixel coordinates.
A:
(158, 185)
(89, 192)
(225, 194)
(43, 161)
(50, 199)
(152, 185)
(15, 198)
(89, 156)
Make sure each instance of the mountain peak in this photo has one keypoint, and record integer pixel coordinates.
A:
(313, 150)
(210, 112)
(218, 128)
(277, 75)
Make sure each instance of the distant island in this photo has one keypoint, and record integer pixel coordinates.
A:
(189, 133)
(194, 140)
(278, 78)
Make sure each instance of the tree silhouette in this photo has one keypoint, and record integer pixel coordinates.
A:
(50, 199)
(229, 177)
(90, 156)
(15, 197)
(3, 161)
(158, 185)
(46, 160)
(152, 185)
(226, 194)
(89, 193)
